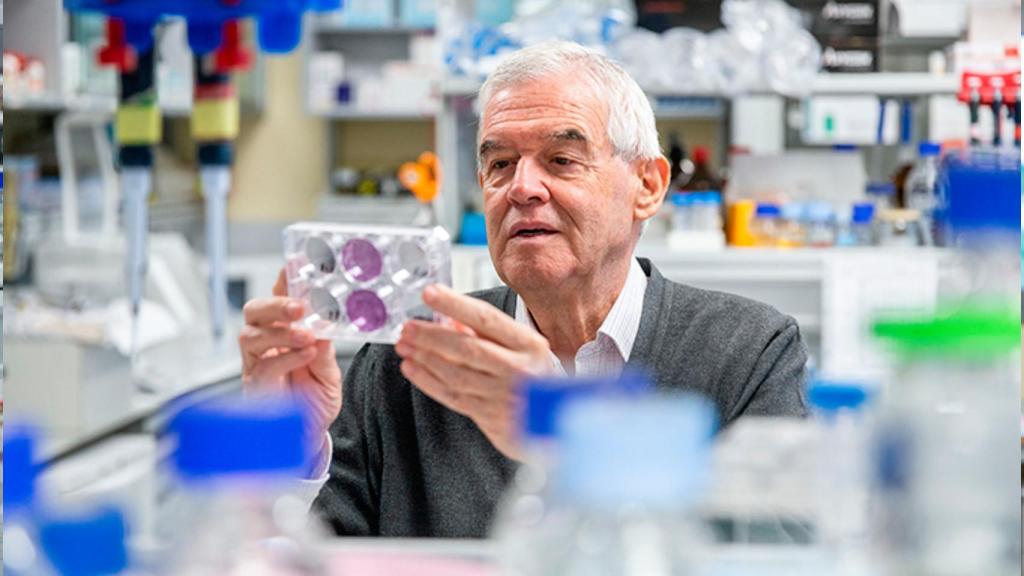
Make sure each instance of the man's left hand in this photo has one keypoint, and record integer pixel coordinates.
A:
(474, 366)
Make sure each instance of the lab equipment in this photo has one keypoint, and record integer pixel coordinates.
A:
(740, 223)
(234, 461)
(212, 26)
(702, 177)
(820, 229)
(947, 454)
(696, 221)
(86, 542)
(842, 466)
(214, 127)
(22, 553)
(528, 503)
(901, 228)
(361, 283)
(856, 228)
(631, 474)
(922, 187)
(980, 190)
(765, 226)
(791, 232)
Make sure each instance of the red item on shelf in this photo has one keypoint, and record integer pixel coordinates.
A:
(981, 88)
(232, 54)
(117, 52)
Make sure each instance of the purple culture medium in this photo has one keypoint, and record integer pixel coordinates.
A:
(366, 311)
(361, 260)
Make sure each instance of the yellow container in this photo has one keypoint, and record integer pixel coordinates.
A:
(741, 214)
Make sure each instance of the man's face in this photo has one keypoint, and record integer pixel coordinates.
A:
(559, 203)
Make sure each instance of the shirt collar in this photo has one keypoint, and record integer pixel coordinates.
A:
(622, 322)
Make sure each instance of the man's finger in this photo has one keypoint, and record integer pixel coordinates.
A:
(463, 380)
(262, 311)
(281, 285)
(486, 320)
(427, 383)
(277, 367)
(254, 341)
(456, 347)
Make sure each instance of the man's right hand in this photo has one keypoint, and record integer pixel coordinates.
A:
(279, 358)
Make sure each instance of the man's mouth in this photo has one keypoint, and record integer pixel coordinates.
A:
(532, 232)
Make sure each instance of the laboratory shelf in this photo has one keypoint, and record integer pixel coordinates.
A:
(876, 83)
(887, 84)
(383, 114)
(333, 28)
(83, 103)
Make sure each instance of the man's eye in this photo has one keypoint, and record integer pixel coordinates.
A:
(562, 161)
(500, 164)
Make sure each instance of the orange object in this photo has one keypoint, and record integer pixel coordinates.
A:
(741, 214)
(421, 177)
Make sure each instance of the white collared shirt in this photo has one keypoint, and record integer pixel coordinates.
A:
(609, 352)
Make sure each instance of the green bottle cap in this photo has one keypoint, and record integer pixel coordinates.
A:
(970, 332)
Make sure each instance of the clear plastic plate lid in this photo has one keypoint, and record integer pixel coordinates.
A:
(361, 283)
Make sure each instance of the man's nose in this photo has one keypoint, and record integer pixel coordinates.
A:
(528, 184)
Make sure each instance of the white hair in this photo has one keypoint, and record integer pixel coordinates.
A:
(631, 128)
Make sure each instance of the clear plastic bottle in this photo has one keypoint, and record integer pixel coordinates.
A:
(22, 554)
(236, 461)
(527, 503)
(922, 186)
(862, 224)
(631, 475)
(765, 226)
(842, 470)
(682, 212)
(791, 228)
(820, 231)
(948, 445)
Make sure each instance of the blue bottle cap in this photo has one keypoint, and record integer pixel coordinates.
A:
(826, 396)
(819, 212)
(765, 210)
(793, 211)
(653, 450)
(20, 466)
(863, 212)
(236, 436)
(92, 544)
(928, 149)
(544, 399)
(682, 199)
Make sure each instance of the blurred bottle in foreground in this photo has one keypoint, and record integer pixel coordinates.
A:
(843, 427)
(40, 540)
(237, 460)
(527, 504)
(630, 477)
(980, 218)
(947, 453)
(22, 553)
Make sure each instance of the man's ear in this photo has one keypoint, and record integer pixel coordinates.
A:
(653, 174)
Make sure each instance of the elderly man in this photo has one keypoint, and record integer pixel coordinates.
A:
(570, 168)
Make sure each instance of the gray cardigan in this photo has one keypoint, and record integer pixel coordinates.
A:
(405, 466)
